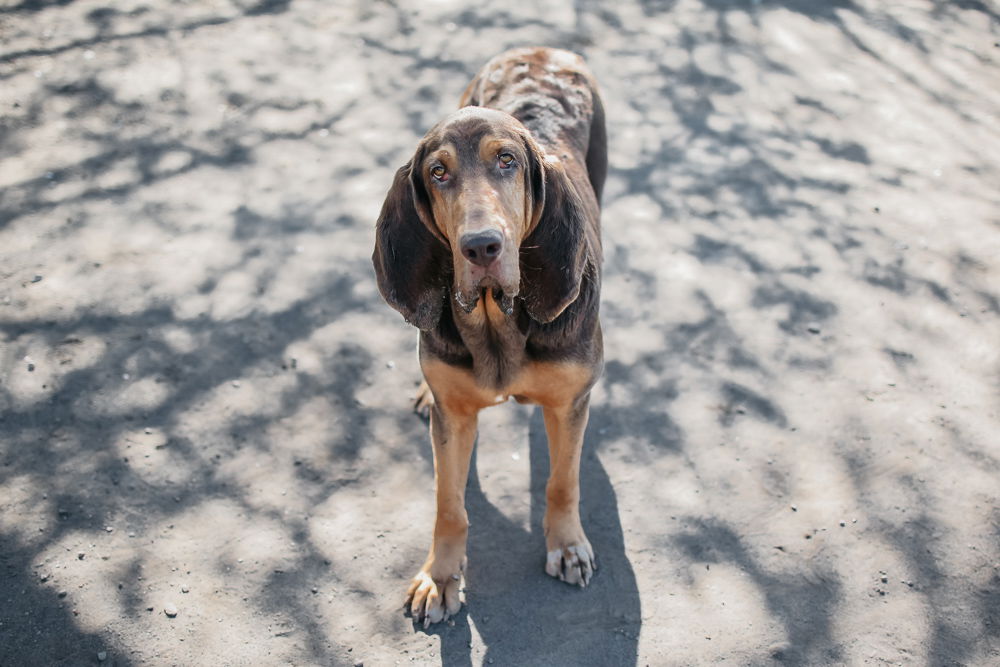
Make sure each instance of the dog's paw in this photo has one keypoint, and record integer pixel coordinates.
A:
(432, 599)
(423, 401)
(573, 564)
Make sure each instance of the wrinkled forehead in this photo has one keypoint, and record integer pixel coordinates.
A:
(467, 128)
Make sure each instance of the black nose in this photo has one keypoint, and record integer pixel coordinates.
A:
(482, 248)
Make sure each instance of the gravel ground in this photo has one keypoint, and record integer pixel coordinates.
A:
(206, 450)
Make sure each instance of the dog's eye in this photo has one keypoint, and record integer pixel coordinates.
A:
(439, 172)
(506, 160)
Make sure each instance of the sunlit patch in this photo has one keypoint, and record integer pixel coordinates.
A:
(129, 395)
(210, 563)
(154, 458)
(173, 161)
(35, 514)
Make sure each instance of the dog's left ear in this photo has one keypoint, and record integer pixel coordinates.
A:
(554, 255)
(410, 262)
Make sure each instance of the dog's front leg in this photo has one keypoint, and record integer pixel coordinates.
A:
(570, 556)
(434, 593)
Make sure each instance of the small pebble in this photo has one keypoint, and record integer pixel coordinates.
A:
(236, 383)
(37, 279)
(813, 328)
(102, 655)
(843, 523)
(795, 508)
(31, 367)
(185, 589)
(170, 610)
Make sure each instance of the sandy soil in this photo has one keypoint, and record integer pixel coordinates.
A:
(793, 455)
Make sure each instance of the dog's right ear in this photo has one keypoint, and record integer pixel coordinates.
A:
(410, 262)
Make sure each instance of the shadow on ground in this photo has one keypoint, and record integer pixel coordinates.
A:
(203, 400)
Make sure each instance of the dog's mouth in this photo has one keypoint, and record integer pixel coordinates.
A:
(499, 278)
(467, 300)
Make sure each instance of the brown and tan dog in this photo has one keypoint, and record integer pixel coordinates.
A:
(489, 243)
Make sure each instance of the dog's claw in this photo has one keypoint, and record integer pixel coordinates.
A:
(573, 564)
(432, 600)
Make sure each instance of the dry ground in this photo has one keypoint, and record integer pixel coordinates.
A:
(794, 452)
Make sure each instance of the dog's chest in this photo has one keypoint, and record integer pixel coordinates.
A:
(494, 340)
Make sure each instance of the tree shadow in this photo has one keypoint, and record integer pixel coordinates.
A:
(37, 625)
(804, 604)
(734, 184)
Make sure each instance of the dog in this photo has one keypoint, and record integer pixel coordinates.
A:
(489, 243)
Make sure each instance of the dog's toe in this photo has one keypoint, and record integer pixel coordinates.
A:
(431, 601)
(573, 564)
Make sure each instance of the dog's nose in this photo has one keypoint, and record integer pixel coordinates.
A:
(482, 248)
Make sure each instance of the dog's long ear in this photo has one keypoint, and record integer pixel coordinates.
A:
(410, 262)
(554, 255)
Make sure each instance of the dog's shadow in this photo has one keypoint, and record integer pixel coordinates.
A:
(525, 617)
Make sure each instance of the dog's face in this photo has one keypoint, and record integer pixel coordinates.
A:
(475, 177)
(479, 208)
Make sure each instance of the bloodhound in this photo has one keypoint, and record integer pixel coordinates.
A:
(489, 243)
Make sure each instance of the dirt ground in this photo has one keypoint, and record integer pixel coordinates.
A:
(794, 453)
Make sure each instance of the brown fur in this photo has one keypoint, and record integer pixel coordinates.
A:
(524, 160)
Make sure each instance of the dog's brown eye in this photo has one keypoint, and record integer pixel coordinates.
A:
(506, 159)
(439, 172)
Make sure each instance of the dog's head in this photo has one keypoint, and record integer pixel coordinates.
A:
(477, 208)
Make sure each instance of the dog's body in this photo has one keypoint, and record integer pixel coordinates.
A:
(489, 243)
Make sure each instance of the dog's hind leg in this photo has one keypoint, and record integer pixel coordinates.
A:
(423, 401)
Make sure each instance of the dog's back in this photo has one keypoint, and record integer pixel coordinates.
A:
(555, 96)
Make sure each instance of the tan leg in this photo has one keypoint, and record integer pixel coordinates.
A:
(433, 594)
(570, 556)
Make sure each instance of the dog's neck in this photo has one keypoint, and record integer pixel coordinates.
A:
(494, 339)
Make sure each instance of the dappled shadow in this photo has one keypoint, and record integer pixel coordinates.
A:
(923, 542)
(92, 487)
(204, 395)
(42, 630)
(804, 604)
